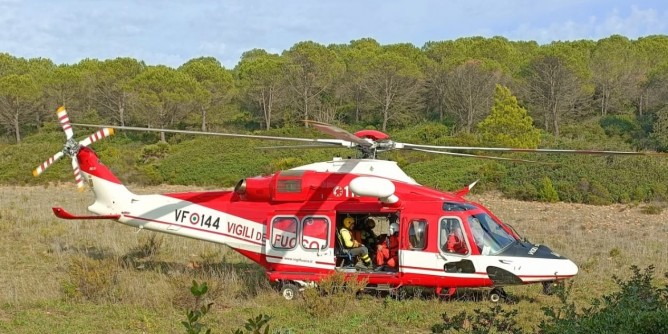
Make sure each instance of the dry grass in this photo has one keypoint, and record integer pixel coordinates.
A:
(152, 275)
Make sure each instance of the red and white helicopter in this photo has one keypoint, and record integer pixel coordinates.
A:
(288, 222)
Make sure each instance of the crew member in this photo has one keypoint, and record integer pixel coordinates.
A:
(388, 248)
(456, 243)
(368, 236)
(352, 245)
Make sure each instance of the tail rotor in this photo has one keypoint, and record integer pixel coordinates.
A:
(72, 147)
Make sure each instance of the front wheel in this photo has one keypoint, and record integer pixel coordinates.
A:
(289, 291)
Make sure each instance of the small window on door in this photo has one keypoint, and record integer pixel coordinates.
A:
(417, 234)
(452, 237)
(284, 232)
(315, 233)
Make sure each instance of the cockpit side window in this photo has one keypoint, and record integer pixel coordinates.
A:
(452, 238)
(417, 234)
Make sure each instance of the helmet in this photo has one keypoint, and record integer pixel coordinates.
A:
(348, 222)
(370, 223)
(394, 228)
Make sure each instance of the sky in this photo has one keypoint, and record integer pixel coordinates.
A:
(168, 32)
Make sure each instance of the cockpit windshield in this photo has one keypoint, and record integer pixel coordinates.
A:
(489, 236)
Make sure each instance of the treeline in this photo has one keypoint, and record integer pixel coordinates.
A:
(362, 83)
(607, 94)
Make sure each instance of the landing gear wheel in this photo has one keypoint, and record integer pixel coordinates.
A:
(399, 293)
(496, 294)
(548, 287)
(290, 291)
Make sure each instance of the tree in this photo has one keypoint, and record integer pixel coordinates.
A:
(310, 68)
(18, 97)
(553, 89)
(469, 90)
(215, 80)
(107, 85)
(165, 96)
(357, 58)
(508, 124)
(615, 73)
(660, 129)
(261, 79)
(394, 85)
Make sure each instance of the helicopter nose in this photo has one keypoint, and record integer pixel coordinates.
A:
(567, 268)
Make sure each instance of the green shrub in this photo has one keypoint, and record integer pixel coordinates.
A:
(194, 316)
(651, 209)
(334, 293)
(91, 279)
(546, 192)
(638, 307)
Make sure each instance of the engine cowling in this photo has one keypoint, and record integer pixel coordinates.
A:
(254, 188)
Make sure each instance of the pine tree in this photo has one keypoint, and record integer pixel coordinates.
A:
(508, 124)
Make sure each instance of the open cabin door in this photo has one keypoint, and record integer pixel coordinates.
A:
(300, 240)
(413, 238)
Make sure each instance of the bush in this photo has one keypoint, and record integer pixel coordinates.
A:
(638, 307)
(91, 279)
(333, 294)
(546, 192)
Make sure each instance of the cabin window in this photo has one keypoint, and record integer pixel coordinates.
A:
(417, 234)
(456, 206)
(452, 238)
(284, 232)
(315, 233)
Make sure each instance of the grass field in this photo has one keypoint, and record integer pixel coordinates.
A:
(102, 277)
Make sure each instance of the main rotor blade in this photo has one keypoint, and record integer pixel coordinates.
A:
(40, 169)
(337, 142)
(189, 132)
(297, 147)
(338, 133)
(478, 156)
(529, 150)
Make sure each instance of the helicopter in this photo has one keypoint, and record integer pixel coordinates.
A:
(289, 222)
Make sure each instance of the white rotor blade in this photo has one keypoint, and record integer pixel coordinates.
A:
(525, 150)
(233, 135)
(65, 122)
(102, 133)
(477, 156)
(77, 174)
(40, 169)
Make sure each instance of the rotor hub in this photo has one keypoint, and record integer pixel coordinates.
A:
(71, 148)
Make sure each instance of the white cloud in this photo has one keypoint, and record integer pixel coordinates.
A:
(634, 23)
(173, 32)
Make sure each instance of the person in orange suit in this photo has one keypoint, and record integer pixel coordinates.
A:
(387, 253)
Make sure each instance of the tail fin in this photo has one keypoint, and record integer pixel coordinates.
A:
(110, 193)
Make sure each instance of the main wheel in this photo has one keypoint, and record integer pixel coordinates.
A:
(496, 294)
(289, 291)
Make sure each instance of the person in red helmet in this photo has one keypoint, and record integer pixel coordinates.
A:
(456, 243)
(387, 253)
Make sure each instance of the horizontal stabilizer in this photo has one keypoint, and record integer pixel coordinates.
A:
(63, 214)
